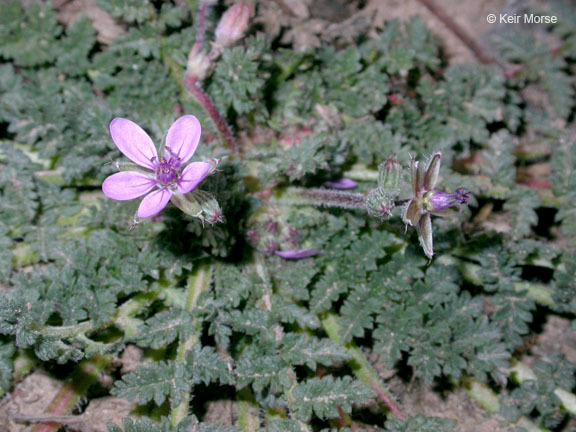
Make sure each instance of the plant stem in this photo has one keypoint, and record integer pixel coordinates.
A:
(362, 173)
(83, 377)
(478, 50)
(197, 283)
(248, 419)
(321, 198)
(362, 367)
(540, 293)
(487, 399)
(191, 83)
(200, 24)
(521, 372)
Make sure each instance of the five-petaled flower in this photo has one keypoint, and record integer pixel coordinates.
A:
(162, 175)
(428, 201)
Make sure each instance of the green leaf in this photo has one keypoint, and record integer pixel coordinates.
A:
(311, 351)
(155, 382)
(164, 328)
(206, 366)
(420, 423)
(7, 351)
(325, 395)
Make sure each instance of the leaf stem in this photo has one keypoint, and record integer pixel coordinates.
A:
(362, 367)
(197, 283)
(82, 378)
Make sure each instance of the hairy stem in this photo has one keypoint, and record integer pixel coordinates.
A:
(362, 367)
(321, 198)
(197, 283)
(191, 83)
(200, 18)
(83, 377)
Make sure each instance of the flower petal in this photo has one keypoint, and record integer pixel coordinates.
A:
(432, 172)
(417, 176)
(183, 137)
(133, 142)
(412, 213)
(193, 174)
(154, 203)
(424, 229)
(127, 185)
(343, 183)
(299, 254)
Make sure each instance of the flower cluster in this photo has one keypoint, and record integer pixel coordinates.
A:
(158, 177)
(427, 200)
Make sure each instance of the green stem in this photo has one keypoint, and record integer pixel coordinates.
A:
(362, 367)
(487, 399)
(521, 372)
(197, 283)
(84, 376)
(362, 173)
(248, 419)
(540, 293)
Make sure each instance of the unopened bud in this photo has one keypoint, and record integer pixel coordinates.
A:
(379, 204)
(198, 64)
(199, 204)
(389, 176)
(232, 25)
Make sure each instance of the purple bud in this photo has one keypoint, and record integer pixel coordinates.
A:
(343, 183)
(232, 25)
(298, 254)
(438, 201)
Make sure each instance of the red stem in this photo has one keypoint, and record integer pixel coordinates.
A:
(388, 402)
(71, 391)
(206, 103)
(200, 24)
(478, 50)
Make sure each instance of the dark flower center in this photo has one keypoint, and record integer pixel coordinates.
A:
(462, 195)
(166, 168)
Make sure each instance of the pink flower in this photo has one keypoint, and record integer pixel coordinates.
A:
(428, 200)
(343, 183)
(161, 176)
(299, 254)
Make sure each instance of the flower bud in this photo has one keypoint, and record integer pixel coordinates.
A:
(379, 204)
(232, 25)
(199, 204)
(198, 64)
(389, 176)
